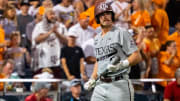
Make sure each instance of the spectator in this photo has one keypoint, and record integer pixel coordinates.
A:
(41, 92)
(72, 59)
(79, 6)
(122, 12)
(82, 29)
(150, 47)
(30, 26)
(140, 16)
(10, 21)
(163, 3)
(3, 43)
(18, 54)
(82, 5)
(33, 9)
(88, 49)
(176, 36)
(172, 91)
(23, 19)
(3, 5)
(18, 7)
(48, 38)
(6, 72)
(46, 73)
(12, 2)
(45, 4)
(160, 21)
(7, 68)
(29, 29)
(90, 13)
(65, 11)
(168, 63)
(75, 87)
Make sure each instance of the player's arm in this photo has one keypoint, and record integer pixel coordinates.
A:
(134, 58)
(130, 48)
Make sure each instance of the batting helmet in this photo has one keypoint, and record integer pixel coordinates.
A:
(101, 8)
(177, 73)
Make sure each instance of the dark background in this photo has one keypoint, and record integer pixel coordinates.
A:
(173, 10)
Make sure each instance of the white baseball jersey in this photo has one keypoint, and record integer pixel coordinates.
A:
(117, 42)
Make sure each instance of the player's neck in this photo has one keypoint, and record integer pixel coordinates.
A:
(106, 29)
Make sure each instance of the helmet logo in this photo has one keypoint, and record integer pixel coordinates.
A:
(103, 6)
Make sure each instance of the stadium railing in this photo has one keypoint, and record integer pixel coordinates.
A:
(56, 94)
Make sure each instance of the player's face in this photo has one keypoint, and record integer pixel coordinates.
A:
(106, 19)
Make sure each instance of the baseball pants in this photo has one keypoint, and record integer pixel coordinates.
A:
(121, 90)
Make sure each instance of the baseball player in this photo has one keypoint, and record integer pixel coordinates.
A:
(113, 83)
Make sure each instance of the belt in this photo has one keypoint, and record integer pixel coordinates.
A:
(111, 79)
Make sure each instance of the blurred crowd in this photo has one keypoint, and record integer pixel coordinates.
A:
(54, 38)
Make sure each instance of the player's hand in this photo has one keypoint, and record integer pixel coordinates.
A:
(90, 84)
(119, 66)
(112, 68)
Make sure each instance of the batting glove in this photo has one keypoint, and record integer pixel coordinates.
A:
(119, 66)
(90, 84)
